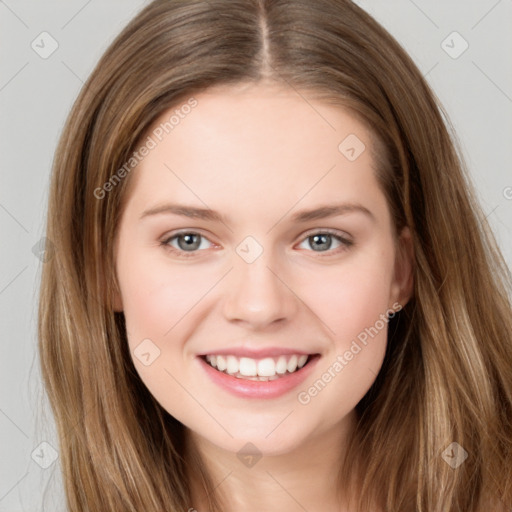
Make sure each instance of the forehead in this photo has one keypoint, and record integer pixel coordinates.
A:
(249, 141)
(268, 111)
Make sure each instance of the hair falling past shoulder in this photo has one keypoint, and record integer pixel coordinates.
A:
(447, 374)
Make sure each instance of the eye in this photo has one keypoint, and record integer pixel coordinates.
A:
(322, 241)
(186, 241)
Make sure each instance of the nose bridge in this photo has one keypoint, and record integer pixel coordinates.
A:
(256, 293)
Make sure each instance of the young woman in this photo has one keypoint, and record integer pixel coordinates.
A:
(273, 287)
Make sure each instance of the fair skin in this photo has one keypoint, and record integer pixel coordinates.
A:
(258, 155)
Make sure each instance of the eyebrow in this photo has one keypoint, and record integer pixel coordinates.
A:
(321, 212)
(331, 211)
(185, 211)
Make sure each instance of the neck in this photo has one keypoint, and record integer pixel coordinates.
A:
(306, 478)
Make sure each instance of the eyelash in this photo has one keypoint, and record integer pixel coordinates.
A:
(346, 244)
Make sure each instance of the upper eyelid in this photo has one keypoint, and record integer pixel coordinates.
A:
(330, 231)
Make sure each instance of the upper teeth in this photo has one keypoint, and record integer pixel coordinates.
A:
(247, 367)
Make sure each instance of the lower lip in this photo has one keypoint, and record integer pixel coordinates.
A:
(259, 389)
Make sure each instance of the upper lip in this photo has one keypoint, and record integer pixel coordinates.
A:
(256, 353)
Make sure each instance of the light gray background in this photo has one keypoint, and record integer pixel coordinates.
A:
(36, 95)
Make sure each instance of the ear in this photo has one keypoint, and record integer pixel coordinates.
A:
(402, 287)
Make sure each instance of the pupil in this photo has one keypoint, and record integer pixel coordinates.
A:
(191, 241)
(324, 241)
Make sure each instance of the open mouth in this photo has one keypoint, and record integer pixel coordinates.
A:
(266, 369)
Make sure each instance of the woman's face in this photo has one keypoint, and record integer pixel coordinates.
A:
(255, 236)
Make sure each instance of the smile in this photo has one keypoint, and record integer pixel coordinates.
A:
(263, 377)
(269, 368)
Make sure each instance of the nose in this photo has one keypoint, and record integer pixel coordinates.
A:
(258, 295)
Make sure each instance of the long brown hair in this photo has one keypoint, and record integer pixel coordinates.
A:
(447, 374)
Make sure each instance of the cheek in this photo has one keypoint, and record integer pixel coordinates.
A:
(354, 309)
(350, 298)
(156, 297)
(351, 304)
(156, 300)
(146, 303)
